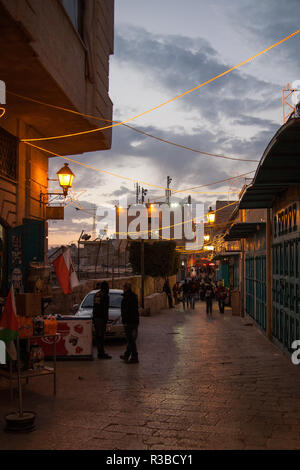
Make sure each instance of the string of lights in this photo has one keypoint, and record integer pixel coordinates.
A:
(114, 174)
(170, 100)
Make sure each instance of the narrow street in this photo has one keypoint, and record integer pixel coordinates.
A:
(200, 384)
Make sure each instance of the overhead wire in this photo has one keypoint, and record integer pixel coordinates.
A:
(147, 134)
(135, 180)
(170, 100)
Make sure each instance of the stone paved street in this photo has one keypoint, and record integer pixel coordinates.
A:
(200, 384)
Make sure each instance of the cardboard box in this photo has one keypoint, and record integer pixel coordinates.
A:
(29, 305)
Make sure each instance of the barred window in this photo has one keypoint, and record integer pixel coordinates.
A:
(8, 154)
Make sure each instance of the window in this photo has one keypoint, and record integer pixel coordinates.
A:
(8, 154)
(74, 8)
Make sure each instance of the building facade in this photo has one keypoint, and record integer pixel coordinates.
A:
(276, 188)
(53, 52)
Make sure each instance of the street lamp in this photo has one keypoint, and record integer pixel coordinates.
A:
(65, 177)
(206, 238)
(211, 216)
(208, 248)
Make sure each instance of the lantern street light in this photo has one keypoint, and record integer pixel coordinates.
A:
(65, 177)
(208, 248)
(206, 237)
(211, 216)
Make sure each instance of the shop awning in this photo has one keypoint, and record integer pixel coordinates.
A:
(225, 254)
(278, 169)
(243, 230)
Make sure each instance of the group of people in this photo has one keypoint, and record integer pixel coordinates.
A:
(130, 320)
(199, 288)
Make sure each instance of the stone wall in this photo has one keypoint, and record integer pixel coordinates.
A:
(63, 303)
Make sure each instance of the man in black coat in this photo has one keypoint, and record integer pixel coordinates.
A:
(130, 319)
(100, 317)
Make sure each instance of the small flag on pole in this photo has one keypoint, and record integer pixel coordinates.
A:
(65, 272)
(9, 329)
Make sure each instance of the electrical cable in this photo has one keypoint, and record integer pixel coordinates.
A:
(115, 174)
(170, 100)
(134, 129)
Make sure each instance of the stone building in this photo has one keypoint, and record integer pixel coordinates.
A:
(54, 52)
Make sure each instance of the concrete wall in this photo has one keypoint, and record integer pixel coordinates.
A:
(62, 304)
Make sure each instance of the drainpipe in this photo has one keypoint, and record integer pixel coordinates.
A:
(269, 275)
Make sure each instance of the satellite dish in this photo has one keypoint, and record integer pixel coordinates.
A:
(296, 93)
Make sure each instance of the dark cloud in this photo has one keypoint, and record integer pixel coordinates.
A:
(179, 64)
(272, 20)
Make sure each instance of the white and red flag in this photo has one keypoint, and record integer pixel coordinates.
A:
(9, 329)
(65, 272)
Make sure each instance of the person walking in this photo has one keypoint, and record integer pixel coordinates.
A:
(167, 290)
(100, 317)
(208, 298)
(176, 292)
(185, 294)
(193, 293)
(130, 320)
(221, 295)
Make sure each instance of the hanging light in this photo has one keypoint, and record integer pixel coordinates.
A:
(208, 248)
(211, 216)
(65, 176)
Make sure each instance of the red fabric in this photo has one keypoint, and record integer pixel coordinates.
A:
(8, 317)
(63, 274)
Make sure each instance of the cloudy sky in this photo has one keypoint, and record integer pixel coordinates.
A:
(163, 48)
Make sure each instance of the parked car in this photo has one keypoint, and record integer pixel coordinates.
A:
(114, 326)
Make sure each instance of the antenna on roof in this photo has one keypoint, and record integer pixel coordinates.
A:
(291, 101)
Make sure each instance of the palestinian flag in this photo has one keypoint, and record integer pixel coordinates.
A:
(9, 329)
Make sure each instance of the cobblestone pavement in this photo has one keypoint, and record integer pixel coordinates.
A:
(200, 384)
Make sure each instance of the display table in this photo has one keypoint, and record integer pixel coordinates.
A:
(75, 339)
(17, 376)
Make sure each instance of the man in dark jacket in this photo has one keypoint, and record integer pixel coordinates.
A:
(130, 319)
(100, 317)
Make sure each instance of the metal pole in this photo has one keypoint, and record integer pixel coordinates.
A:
(269, 275)
(78, 255)
(107, 257)
(142, 271)
(112, 271)
(19, 379)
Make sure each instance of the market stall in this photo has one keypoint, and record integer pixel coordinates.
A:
(74, 339)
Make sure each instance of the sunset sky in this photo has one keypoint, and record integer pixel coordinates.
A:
(163, 49)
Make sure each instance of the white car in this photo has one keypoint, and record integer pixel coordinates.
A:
(114, 326)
